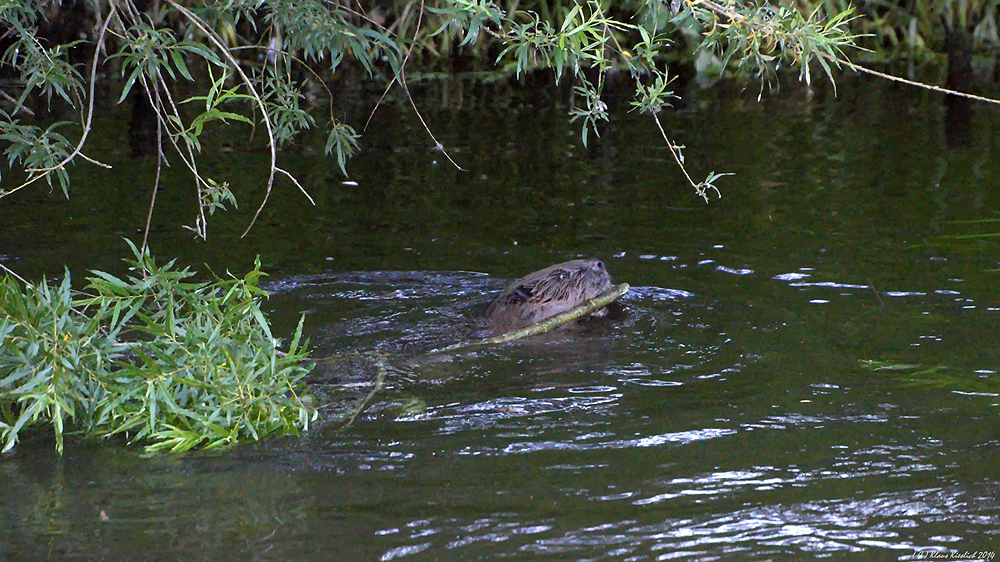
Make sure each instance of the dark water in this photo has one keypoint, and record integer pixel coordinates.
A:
(808, 367)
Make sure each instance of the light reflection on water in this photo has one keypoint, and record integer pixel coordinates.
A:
(606, 445)
(729, 415)
(885, 523)
(689, 459)
(681, 433)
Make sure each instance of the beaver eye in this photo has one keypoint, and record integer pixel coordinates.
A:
(599, 265)
(561, 275)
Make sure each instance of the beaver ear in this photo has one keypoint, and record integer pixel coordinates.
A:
(521, 293)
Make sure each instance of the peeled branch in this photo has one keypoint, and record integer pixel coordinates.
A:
(549, 323)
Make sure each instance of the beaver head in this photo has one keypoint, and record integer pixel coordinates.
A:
(548, 292)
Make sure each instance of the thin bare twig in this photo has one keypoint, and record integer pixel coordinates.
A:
(159, 109)
(8, 97)
(913, 83)
(401, 78)
(160, 158)
(874, 290)
(297, 184)
(213, 37)
(16, 276)
(675, 152)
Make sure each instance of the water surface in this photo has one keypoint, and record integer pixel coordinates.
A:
(737, 412)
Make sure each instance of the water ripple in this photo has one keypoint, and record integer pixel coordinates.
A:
(681, 437)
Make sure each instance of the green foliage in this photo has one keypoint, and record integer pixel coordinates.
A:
(149, 52)
(216, 96)
(151, 58)
(280, 40)
(342, 141)
(282, 99)
(467, 18)
(214, 197)
(753, 38)
(321, 30)
(651, 98)
(40, 67)
(36, 149)
(48, 361)
(767, 35)
(594, 109)
(153, 356)
(583, 40)
(914, 28)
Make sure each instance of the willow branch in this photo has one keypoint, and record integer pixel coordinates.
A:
(16, 276)
(892, 78)
(543, 326)
(43, 172)
(213, 37)
(735, 17)
(401, 78)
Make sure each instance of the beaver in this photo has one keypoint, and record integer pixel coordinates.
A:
(545, 293)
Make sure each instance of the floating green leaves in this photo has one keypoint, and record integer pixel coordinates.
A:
(938, 377)
(974, 236)
(154, 356)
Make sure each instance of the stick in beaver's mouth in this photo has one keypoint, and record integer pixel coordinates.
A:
(550, 323)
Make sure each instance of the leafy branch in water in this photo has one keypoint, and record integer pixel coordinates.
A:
(154, 356)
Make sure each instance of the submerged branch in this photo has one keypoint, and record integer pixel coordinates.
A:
(550, 323)
(376, 386)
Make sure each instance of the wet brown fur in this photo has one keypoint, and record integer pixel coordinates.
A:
(547, 292)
